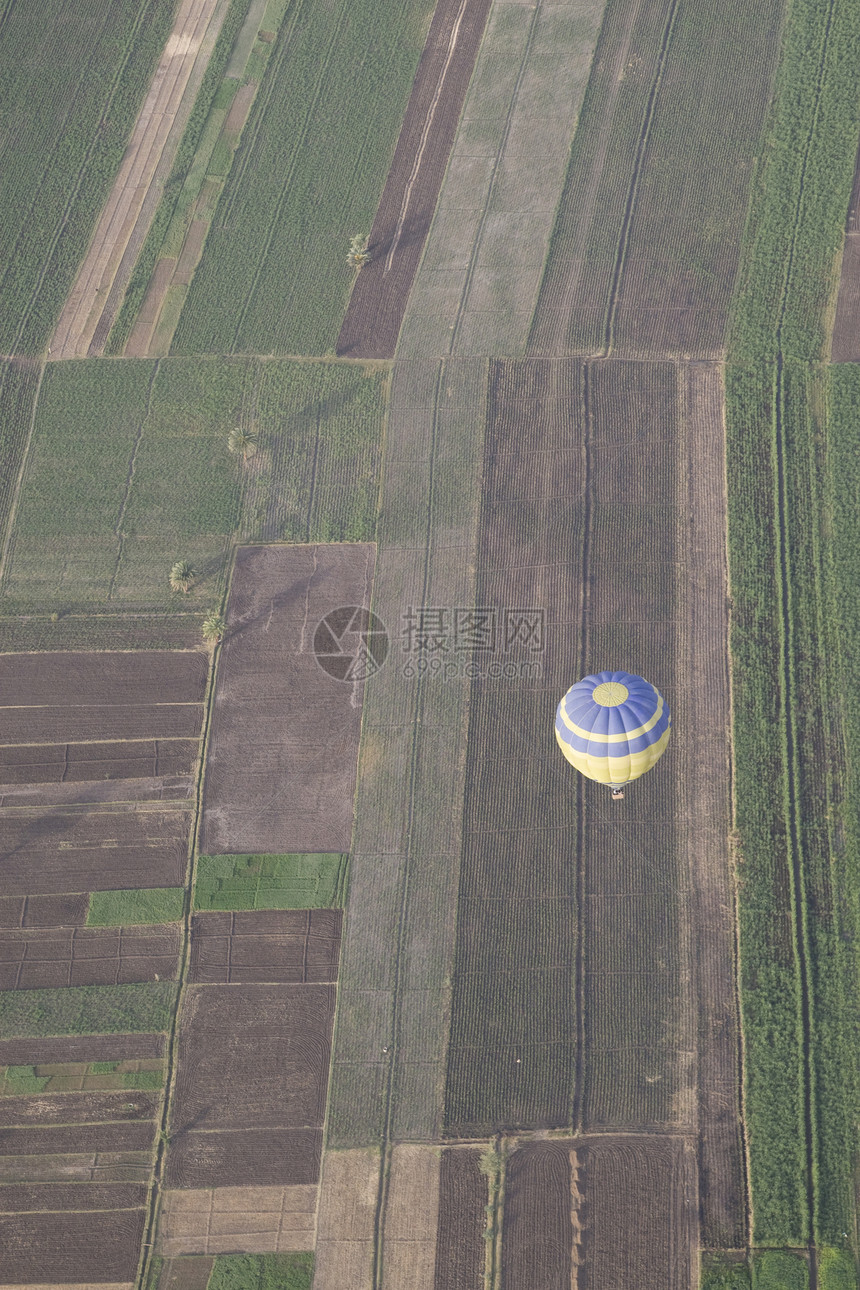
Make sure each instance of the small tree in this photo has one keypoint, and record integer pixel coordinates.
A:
(358, 255)
(181, 576)
(213, 628)
(242, 443)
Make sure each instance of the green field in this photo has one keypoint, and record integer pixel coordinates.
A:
(262, 1272)
(146, 445)
(66, 1077)
(794, 585)
(307, 177)
(270, 882)
(146, 905)
(87, 1010)
(74, 76)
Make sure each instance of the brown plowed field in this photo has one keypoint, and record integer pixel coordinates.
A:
(80, 1166)
(44, 725)
(70, 1248)
(118, 759)
(281, 766)
(88, 956)
(460, 1245)
(52, 851)
(60, 1196)
(185, 1274)
(253, 1060)
(69, 1139)
(600, 1212)
(538, 1234)
(69, 679)
(80, 1048)
(372, 323)
(244, 1158)
(44, 911)
(268, 946)
(78, 1108)
(845, 347)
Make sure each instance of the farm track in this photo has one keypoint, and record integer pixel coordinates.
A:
(82, 316)
(378, 301)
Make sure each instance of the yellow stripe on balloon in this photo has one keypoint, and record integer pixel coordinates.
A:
(615, 770)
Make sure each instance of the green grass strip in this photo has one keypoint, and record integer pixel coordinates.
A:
(720, 1273)
(262, 1272)
(86, 1010)
(142, 905)
(270, 882)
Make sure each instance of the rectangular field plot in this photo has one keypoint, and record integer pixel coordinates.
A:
(253, 1061)
(44, 911)
(598, 1212)
(66, 680)
(88, 956)
(645, 244)
(71, 1247)
(65, 763)
(460, 1245)
(256, 1219)
(75, 1108)
(270, 882)
(281, 767)
(53, 851)
(269, 946)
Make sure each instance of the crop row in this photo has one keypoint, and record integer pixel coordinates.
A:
(306, 178)
(63, 146)
(657, 187)
(798, 861)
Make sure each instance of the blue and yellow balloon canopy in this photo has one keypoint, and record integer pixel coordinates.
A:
(612, 726)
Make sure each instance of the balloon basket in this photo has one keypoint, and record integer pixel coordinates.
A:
(618, 794)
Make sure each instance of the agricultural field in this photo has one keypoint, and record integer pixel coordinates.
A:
(61, 149)
(643, 262)
(156, 483)
(270, 882)
(320, 137)
(264, 736)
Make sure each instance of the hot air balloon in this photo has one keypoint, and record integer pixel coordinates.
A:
(613, 726)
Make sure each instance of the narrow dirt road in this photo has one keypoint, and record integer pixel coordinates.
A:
(89, 296)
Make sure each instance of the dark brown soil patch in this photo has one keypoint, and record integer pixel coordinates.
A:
(846, 330)
(244, 1158)
(24, 1197)
(240, 107)
(46, 851)
(44, 911)
(120, 759)
(271, 945)
(47, 725)
(78, 1108)
(70, 1248)
(191, 251)
(460, 1245)
(537, 1241)
(88, 956)
(71, 1139)
(71, 679)
(253, 1057)
(279, 720)
(372, 323)
(80, 1048)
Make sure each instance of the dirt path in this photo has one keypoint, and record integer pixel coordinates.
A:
(83, 317)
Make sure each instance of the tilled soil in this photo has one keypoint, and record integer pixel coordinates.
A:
(80, 1048)
(460, 1246)
(31, 960)
(78, 1108)
(372, 323)
(267, 946)
(244, 1158)
(70, 1248)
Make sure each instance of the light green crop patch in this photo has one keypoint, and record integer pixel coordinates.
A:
(722, 1273)
(270, 882)
(87, 1010)
(778, 1270)
(142, 905)
(262, 1272)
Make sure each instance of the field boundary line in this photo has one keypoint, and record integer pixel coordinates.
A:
(579, 1063)
(130, 477)
(22, 469)
(630, 206)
